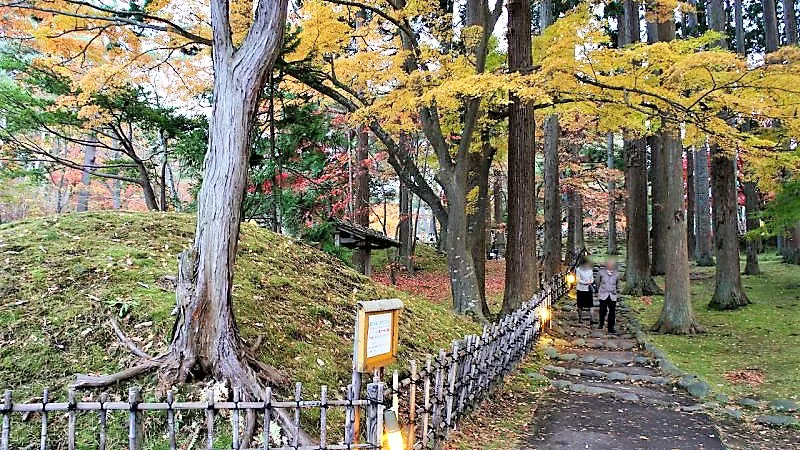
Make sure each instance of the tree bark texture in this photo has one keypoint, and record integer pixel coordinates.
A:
(361, 204)
(552, 199)
(638, 280)
(703, 251)
(789, 22)
(770, 26)
(752, 208)
(677, 315)
(658, 189)
(89, 153)
(728, 292)
(690, 197)
(522, 274)
(612, 199)
(478, 179)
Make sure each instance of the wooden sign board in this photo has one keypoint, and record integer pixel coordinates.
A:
(377, 333)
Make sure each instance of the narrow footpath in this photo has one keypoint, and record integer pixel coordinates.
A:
(610, 395)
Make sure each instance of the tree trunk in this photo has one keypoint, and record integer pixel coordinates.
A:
(205, 339)
(752, 202)
(361, 205)
(571, 249)
(790, 248)
(638, 280)
(612, 200)
(404, 228)
(658, 189)
(632, 25)
(463, 280)
(522, 274)
(789, 22)
(552, 199)
(497, 198)
(690, 198)
(703, 253)
(739, 27)
(728, 292)
(580, 241)
(89, 152)
(677, 315)
(478, 178)
(770, 26)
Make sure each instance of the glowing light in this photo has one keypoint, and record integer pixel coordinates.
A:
(544, 314)
(392, 436)
(570, 278)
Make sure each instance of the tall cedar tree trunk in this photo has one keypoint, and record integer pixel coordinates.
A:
(89, 152)
(751, 204)
(552, 199)
(522, 275)
(404, 228)
(677, 315)
(789, 22)
(499, 214)
(770, 26)
(580, 241)
(728, 292)
(703, 253)
(361, 206)
(612, 200)
(552, 190)
(638, 280)
(658, 190)
(739, 26)
(571, 249)
(690, 197)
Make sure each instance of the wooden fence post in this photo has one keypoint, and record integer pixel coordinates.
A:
(323, 417)
(171, 420)
(43, 433)
(412, 405)
(235, 419)
(6, 411)
(427, 398)
(267, 417)
(71, 418)
(210, 418)
(374, 407)
(134, 419)
(102, 418)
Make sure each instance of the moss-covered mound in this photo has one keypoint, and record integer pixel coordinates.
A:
(62, 277)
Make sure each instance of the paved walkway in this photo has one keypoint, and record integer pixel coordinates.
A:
(610, 396)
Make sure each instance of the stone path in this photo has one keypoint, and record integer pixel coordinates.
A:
(609, 394)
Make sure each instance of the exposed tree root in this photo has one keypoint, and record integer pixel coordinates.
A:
(666, 327)
(239, 367)
(642, 287)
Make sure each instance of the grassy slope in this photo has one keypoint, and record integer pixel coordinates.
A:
(61, 278)
(764, 336)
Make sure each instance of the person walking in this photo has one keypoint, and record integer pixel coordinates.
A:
(608, 286)
(585, 280)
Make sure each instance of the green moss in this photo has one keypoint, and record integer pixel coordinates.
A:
(763, 337)
(63, 277)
